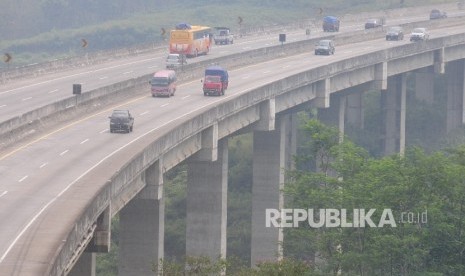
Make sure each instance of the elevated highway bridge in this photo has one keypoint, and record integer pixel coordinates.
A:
(58, 192)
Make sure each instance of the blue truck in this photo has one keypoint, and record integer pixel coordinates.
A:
(331, 24)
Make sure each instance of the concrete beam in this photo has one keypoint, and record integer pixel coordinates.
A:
(267, 115)
(439, 64)
(380, 82)
(268, 181)
(101, 240)
(142, 226)
(323, 90)
(455, 74)
(206, 220)
(209, 150)
(424, 84)
(85, 266)
(393, 104)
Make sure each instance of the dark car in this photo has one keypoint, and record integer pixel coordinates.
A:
(325, 47)
(121, 120)
(374, 23)
(395, 33)
(437, 14)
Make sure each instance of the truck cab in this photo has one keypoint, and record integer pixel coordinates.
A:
(215, 81)
(223, 35)
(331, 24)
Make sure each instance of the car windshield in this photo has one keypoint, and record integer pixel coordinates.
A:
(371, 21)
(212, 79)
(159, 81)
(323, 43)
(418, 30)
(119, 114)
(394, 29)
(173, 58)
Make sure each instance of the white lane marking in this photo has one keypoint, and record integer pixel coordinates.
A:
(103, 131)
(26, 99)
(75, 75)
(63, 153)
(3, 105)
(15, 240)
(266, 72)
(43, 165)
(24, 178)
(102, 78)
(153, 66)
(143, 113)
(127, 72)
(286, 66)
(185, 97)
(246, 77)
(163, 105)
(4, 193)
(84, 141)
(69, 106)
(53, 91)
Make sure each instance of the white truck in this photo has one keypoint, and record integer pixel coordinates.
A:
(223, 35)
(174, 61)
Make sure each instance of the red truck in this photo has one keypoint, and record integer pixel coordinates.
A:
(215, 81)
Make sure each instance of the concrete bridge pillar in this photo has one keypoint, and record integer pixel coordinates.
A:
(142, 227)
(393, 102)
(455, 75)
(85, 265)
(207, 187)
(334, 115)
(424, 84)
(269, 161)
(355, 115)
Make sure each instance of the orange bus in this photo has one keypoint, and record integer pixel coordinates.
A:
(190, 41)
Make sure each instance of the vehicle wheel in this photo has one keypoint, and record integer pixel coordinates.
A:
(334, 51)
(316, 53)
(222, 92)
(204, 93)
(132, 128)
(111, 130)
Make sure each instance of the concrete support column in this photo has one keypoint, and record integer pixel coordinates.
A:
(393, 102)
(455, 75)
(291, 139)
(207, 187)
(355, 115)
(268, 180)
(334, 115)
(85, 265)
(424, 85)
(142, 226)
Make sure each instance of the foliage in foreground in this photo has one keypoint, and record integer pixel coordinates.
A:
(426, 194)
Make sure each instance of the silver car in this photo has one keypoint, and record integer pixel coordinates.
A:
(419, 34)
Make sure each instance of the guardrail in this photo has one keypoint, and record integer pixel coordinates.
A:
(34, 121)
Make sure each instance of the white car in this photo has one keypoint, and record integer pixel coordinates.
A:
(419, 34)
